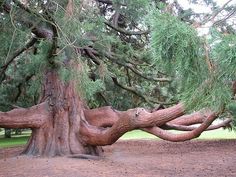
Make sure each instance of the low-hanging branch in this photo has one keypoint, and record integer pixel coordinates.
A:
(119, 122)
(165, 135)
(128, 120)
(224, 123)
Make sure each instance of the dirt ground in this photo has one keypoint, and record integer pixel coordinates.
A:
(142, 158)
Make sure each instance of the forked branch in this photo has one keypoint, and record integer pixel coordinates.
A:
(165, 135)
(127, 121)
(105, 125)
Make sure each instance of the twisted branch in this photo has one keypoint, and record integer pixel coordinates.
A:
(105, 125)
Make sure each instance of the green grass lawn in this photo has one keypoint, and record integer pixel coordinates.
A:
(136, 134)
(15, 140)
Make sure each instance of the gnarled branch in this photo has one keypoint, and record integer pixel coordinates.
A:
(128, 120)
(155, 123)
(163, 134)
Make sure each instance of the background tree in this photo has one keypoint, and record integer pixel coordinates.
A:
(60, 58)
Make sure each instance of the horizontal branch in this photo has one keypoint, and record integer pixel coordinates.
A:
(120, 122)
(33, 117)
(129, 33)
(223, 124)
(128, 120)
(107, 116)
(165, 135)
(194, 118)
(109, 2)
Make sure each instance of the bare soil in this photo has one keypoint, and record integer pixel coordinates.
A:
(133, 158)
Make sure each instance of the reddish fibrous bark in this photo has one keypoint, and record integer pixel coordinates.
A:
(33, 117)
(61, 124)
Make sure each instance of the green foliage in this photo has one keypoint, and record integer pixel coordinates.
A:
(88, 88)
(213, 93)
(232, 109)
(224, 53)
(175, 44)
(24, 84)
(179, 51)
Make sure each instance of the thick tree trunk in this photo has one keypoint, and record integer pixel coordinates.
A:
(7, 133)
(59, 134)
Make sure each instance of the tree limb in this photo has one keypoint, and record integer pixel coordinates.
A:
(212, 17)
(129, 33)
(163, 134)
(194, 118)
(223, 124)
(39, 30)
(33, 117)
(128, 120)
(30, 43)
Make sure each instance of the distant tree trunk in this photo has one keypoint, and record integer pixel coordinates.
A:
(234, 89)
(18, 131)
(7, 133)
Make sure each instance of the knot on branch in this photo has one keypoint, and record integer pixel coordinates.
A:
(138, 111)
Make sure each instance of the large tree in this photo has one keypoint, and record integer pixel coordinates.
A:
(63, 61)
